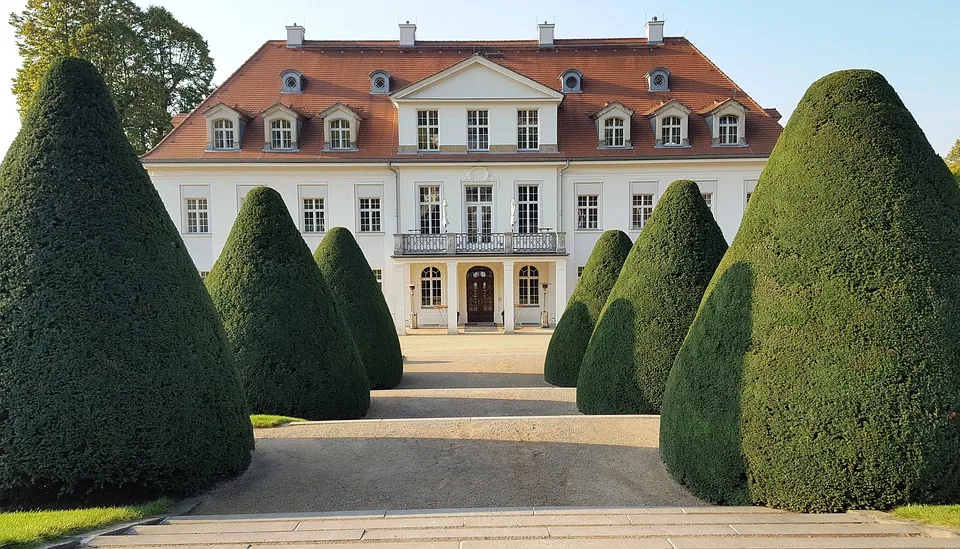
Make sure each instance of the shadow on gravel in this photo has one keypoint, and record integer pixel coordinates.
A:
(342, 474)
(469, 380)
(385, 405)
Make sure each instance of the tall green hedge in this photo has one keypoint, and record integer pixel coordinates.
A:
(823, 370)
(116, 379)
(361, 301)
(650, 308)
(294, 351)
(569, 341)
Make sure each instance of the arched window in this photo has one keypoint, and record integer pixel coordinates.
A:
(223, 136)
(281, 134)
(430, 284)
(670, 130)
(729, 130)
(529, 293)
(613, 132)
(340, 134)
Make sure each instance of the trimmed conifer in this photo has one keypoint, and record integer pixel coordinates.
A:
(294, 351)
(569, 341)
(116, 379)
(823, 370)
(360, 299)
(651, 306)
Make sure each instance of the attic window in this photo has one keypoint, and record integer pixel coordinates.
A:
(571, 80)
(658, 79)
(291, 81)
(379, 82)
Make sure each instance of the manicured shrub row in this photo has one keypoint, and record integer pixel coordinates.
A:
(359, 298)
(823, 369)
(651, 306)
(116, 379)
(570, 338)
(295, 354)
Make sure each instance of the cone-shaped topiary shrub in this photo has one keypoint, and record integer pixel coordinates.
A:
(823, 369)
(650, 308)
(294, 351)
(116, 379)
(570, 338)
(364, 308)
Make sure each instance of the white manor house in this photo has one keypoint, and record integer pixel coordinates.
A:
(476, 175)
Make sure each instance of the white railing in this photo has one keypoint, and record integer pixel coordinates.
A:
(479, 243)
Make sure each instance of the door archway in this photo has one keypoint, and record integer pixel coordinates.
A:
(480, 295)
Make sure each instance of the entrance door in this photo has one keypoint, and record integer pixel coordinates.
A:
(480, 295)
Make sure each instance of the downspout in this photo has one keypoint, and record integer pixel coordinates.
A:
(560, 196)
(396, 186)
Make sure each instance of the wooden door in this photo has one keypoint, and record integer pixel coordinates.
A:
(480, 295)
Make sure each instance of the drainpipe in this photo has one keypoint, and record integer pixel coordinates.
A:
(560, 196)
(396, 186)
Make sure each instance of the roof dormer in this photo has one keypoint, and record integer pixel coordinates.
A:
(671, 124)
(727, 121)
(572, 81)
(379, 81)
(658, 79)
(341, 126)
(225, 127)
(291, 81)
(613, 126)
(281, 129)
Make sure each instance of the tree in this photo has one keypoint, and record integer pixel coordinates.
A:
(953, 158)
(823, 367)
(294, 351)
(154, 65)
(569, 341)
(116, 379)
(651, 306)
(360, 299)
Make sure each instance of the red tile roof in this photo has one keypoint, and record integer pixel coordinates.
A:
(613, 70)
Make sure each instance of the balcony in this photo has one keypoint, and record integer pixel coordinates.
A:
(542, 243)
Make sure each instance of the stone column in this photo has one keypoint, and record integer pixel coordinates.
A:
(453, 297)
(508, 298)
(560, 286)
(401, 298)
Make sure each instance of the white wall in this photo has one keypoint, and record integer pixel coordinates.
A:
(453, 121)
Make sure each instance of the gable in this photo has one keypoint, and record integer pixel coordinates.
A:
(477, 78)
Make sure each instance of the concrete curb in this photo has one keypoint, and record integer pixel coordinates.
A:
(184, 507)
(464, 418)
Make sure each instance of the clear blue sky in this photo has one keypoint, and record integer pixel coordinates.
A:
(773, 50)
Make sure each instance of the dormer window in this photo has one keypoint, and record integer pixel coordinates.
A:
(281, 126)
(281, 135)
(658, 79)
(728, 130)
(339, 134)
(670, 122)
(223, 134)
(572, 80)
(670, 131)
(613, 132)
(341, 125)
(291, 81)
(225, 127)
(613, 126)
(379, 82)
(726, 121)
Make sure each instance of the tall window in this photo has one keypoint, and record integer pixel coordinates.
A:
(642, 210)
(223, 136)
(369, 215)
(479, 202)
(428, 131)
(708, 198)
(281, 134)
(728, 130)
(529, 293)
(378, 274)
(588, 211)
(313, 215)
(430, 209)
(478, 131)
(613, 132)
(198, 220)
(430, 283)
(528, 130)
(340, 134)
(748, 197)
(670, 130)
(528, 208)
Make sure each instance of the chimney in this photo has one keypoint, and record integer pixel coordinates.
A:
(545, 32)
(654, 31)
(408, 35)
(295, 36)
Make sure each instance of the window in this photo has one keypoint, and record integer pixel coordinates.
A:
(291, 81)
(378, 274)
(528, 208)
(708, 198)
(430, 209)
(728, 130)
(198, 220)
(428, 131)
(223, 136)
(479, 202)
(478, 131)
(670, 130)
(528, 130)
(587, 211)
(658, 79)
(580, 271)
(339, 134)
(204, 274)
(613, 132)
(430, 284)
(642, 210)
(529, 293)
(379, 82)
(369, 215)
(281, 134)
(748, 197)
(572, 80)
(313, 215)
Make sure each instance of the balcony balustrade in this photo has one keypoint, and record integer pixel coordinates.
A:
(541, 243)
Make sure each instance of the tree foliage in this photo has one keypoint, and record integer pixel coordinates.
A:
(569, 341)
(153, 65)
(953, 158)
(823, 369)
(651, 306)
(116, 378)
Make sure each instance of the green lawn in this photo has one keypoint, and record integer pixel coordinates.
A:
(21, 530)
(262, 421)
(939, 515)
